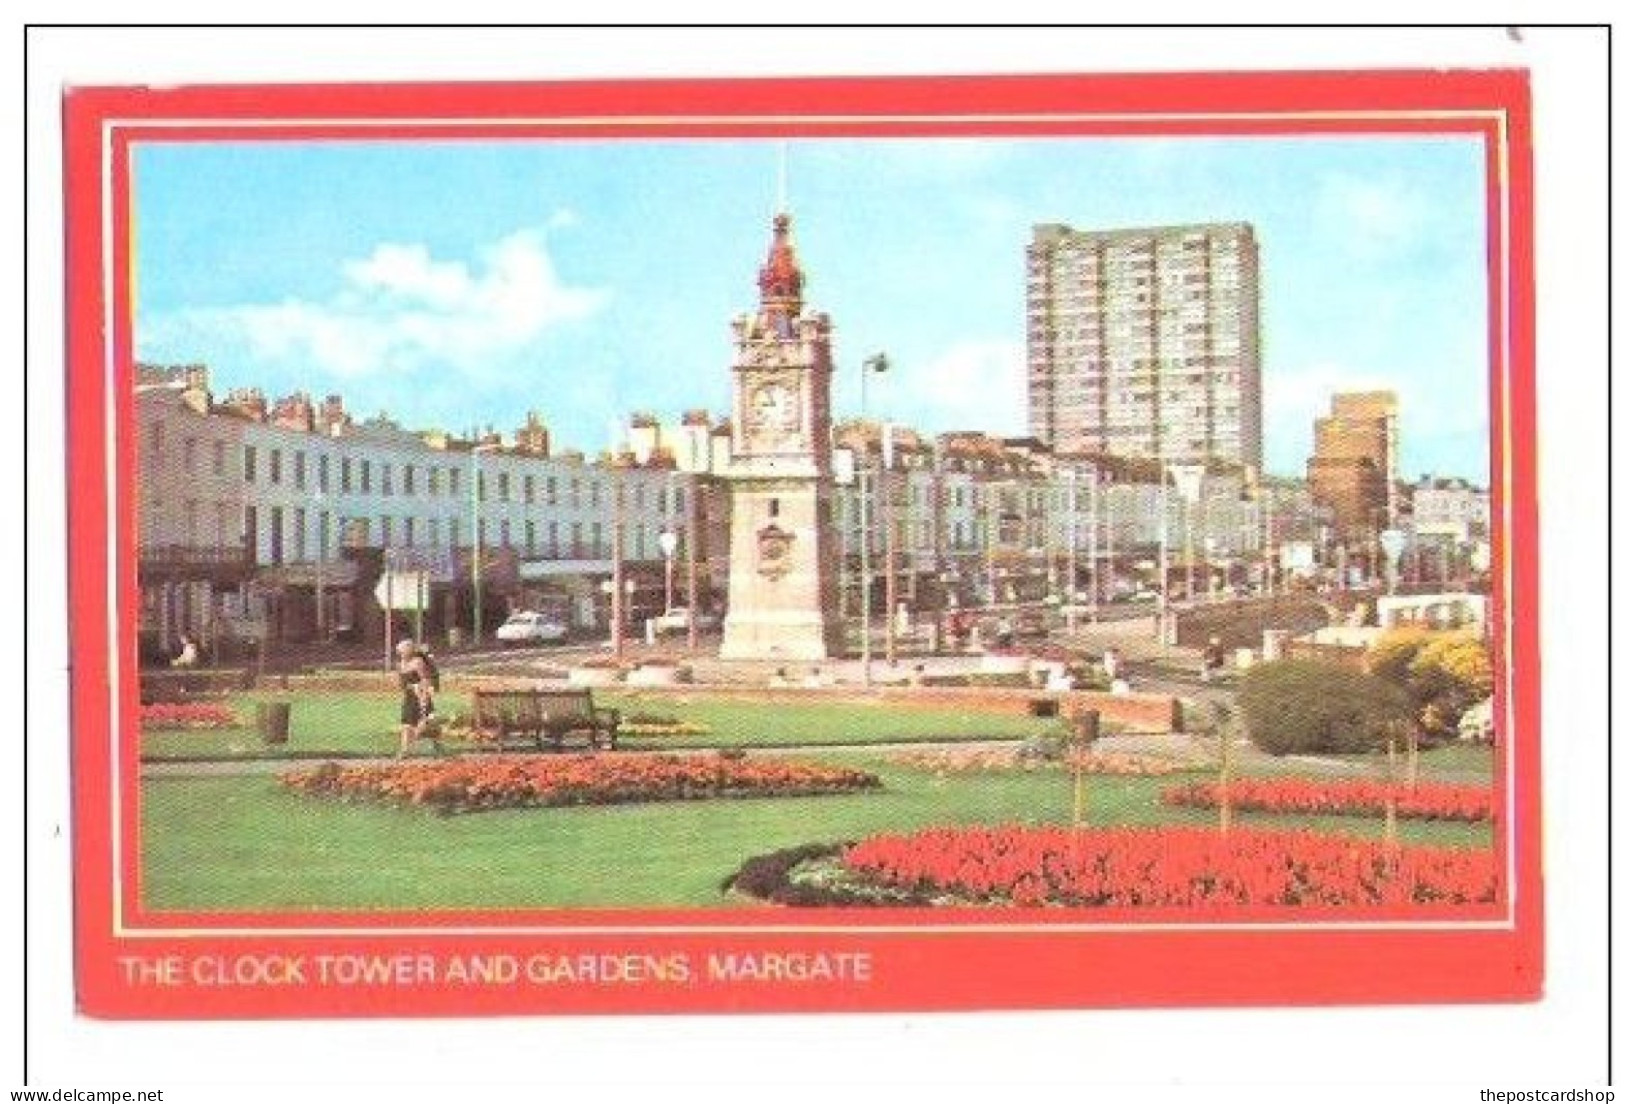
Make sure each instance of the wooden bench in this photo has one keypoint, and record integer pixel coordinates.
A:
(550, 715)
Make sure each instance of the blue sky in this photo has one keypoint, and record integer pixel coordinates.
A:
(460, 284)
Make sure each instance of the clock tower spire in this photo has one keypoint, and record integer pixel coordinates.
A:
(782, 596)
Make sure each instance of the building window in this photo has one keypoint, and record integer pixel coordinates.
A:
(409, 531)
(299, 535)
(434, 532)
(553, 539)
(592, 494)
(217, 462)
(386, 531)
(344, 475)
(434, 481)
(299, 470)
(598, 538)
(324, 535)
(480, 479)
(502, 486)
(530, 538)
(276, 534)
(156, 440)
(366, 477)
(453, 532)
(455, 475)
(408, 480)
(276, 466)
(530, 489)
(386, 478)
(322, 466)
(552, 490)
(479, 533)
(189, 454)
(506, 533)
(250, 463)
(576, 550)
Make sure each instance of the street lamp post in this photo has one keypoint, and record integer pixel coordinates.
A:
(477, 567)
(876, 364)
(316, 501)
(693, 567)
(668, 549)
(1162, 554)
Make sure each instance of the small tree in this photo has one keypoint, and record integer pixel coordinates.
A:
(1449, 675)
(1390, 657)
(1306, 705)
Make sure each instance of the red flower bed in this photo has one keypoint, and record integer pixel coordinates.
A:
(1169, 868)
(510, 782)
(187, 715)
(1427, 801)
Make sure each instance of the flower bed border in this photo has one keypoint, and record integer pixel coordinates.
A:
(514, 782)
(1342, 797)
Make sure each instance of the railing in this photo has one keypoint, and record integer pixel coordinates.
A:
(188, 555)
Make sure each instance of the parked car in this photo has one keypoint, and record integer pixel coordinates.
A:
(529, 627)
(676, 620)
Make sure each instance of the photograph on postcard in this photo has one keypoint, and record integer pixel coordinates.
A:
(815, 540)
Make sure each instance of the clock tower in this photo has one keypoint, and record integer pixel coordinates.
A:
(782, 596)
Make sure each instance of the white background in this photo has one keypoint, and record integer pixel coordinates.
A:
(1556, 1043)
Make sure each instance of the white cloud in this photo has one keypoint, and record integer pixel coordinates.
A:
(970, 385)
(401, 310)
(1373, 218)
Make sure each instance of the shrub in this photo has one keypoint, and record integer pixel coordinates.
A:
(1451, 673)
(1304, 705)
(1442, 672)
(1390, 657)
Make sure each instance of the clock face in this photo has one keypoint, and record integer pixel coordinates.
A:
(773, 407)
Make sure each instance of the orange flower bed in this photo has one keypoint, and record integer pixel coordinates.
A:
(1356, 797)
(187, 715)
(1168, 868)
(517, 782)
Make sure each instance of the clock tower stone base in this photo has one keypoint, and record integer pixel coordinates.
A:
(781, 601)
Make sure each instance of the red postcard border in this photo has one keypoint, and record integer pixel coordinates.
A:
(929, 963)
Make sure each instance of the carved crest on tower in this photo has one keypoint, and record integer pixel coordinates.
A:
(773, 551)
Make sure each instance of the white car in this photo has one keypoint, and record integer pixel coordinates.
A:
(676, 620)
(527, 627)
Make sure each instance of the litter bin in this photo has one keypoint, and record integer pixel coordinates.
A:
(272, 718)
(1086, 727)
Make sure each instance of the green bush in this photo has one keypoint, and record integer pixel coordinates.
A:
(1303, 705)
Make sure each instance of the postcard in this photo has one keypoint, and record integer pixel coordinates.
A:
(788, 545)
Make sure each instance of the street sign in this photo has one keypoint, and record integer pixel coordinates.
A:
(403, 590)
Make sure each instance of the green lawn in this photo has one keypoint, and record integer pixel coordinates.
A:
(1464, 764)
(242, 842)
(354, 723)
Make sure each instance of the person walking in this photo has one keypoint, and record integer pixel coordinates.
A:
(417, 694)
(187, 656)
(1212, 659)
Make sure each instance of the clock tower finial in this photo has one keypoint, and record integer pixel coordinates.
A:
(780, 280)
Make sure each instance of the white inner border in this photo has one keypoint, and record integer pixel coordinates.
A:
(1501, 364)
